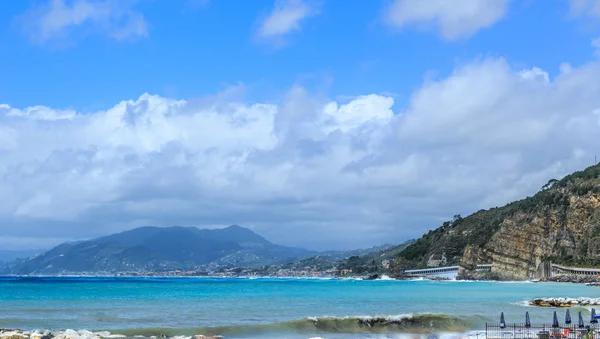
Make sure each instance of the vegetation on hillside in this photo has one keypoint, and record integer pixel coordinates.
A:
(478, 228)
(362, 262)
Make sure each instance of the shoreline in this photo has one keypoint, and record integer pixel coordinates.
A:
(409, 324)
(558, 279)
(85, 334)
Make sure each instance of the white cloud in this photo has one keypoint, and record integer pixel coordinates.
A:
(596, 46)
(353, 173)
(59, 20)
(589, 8)
(286, 17)
(453, 19)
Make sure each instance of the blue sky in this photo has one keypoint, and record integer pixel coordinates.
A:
(192, 49)
(361, 122)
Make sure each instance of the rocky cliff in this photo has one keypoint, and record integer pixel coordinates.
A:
(560, 224)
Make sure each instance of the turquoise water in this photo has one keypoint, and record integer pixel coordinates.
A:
(269, 308)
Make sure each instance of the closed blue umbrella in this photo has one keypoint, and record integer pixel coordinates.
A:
(593, 320)
(555, 321)
(568, 318)
(527, 321)
(502, 322)
(581, 324)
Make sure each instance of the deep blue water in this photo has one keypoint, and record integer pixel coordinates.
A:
(245, 307)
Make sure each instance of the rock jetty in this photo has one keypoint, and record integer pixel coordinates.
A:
(573, 278)
(564, 302)
(72, 334)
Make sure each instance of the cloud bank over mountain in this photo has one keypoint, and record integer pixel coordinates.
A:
(300, 170)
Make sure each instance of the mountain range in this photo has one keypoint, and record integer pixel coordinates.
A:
(159, 249)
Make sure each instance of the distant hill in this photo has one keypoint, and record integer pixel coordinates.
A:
(560, 224)
(360, 261)
(372, 262)
(10, 255)
(159, 249)
(340, 255)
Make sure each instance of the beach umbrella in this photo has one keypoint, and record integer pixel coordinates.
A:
(581, 324)
(527, 321)
(568, 318)
(555, 321)
(502, 322)
(593, 320)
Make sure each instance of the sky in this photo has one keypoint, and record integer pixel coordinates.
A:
(316, 123)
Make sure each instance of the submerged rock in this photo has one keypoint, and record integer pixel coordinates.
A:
(372, 277)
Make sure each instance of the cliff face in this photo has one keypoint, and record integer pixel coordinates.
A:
(560, 224)
(562, 234)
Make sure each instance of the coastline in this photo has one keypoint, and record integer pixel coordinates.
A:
(558, 279)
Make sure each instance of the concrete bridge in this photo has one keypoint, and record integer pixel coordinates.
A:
(448, 272)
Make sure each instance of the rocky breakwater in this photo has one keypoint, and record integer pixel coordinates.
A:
(564, 302)
(574, 278)
(71, 334)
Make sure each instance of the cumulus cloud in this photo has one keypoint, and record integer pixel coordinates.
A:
(59, 20)
(303, 171)
(453, 19)
(286, 17)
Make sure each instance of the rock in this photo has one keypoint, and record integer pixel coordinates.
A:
(102, 334)
(564, 302)
(591, 280)
(13, 334)
(71, 334)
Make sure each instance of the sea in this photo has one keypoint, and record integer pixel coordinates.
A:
(275, 307)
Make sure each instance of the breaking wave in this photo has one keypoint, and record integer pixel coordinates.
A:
(405, 323)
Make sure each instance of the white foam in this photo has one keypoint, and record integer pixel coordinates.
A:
(524, 303)
(385, 277)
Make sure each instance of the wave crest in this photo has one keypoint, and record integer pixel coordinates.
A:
(403, 323)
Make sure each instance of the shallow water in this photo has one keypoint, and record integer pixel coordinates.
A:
(272, 308)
